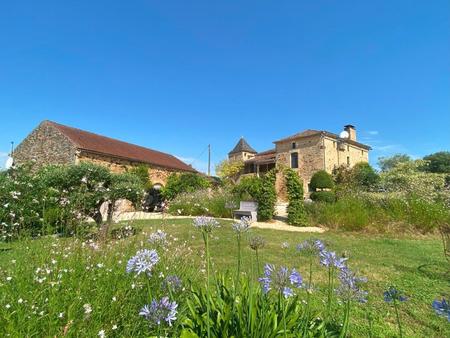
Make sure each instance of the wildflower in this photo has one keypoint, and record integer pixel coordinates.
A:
(329, 259)
(7, 306)
(143, 261)
(280, 280)
(158, 238)
(311, 247)
(8, 278)
(242, 225)
(20, 301)
(257, 242)
(205, 223)
(101, 334)
(284, 245)
(61, 315)
(350, 286)
(114, 327)
(173, 281)
(442, 308)
(160, 311)
(87, 308)
(392, 294)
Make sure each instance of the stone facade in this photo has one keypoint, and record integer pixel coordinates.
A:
(156, 175)
(45, 145)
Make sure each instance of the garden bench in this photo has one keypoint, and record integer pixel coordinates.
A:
(249, 209)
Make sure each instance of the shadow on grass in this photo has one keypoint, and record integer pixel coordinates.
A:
(434, 270)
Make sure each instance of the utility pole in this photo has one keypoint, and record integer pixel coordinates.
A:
(209, 160)
(12, 149)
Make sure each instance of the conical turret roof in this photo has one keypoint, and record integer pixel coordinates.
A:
(242, 146)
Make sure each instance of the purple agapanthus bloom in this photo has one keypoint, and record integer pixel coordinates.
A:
(205, 223)
(392, 294)
(311, 246)
(243, 225)
(350, 286)
(173, 282)
(158, 238)
(281, 280)
(330, 259)
(442, 308)
(160, 311)
(143, 261)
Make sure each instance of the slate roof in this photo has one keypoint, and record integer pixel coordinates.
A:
(98, 144)
(241, 146)
(312, 132)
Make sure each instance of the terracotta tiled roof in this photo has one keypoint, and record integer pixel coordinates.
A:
(312, 132)
(103, 145)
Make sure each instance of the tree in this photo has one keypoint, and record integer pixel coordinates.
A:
(321, 180)
(141, 171)
(437, 163)
(364, 176)
(185, 182)
(390, 162)
(230, 170)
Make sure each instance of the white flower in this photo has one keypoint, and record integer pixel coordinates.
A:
(84, 179)
(54, 261)
(114, 299)
(61, 314)
(114, 327)
(101, 334)
(20, 301)
(7, 306)
(87, 308)
(8, 278)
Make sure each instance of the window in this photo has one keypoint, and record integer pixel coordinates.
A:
(294, 145)
(348, 160)
(348, 148)
(362, 152)
(294, 160)
(334, 144)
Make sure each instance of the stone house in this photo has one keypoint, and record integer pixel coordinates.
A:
(306, 152)
(53, 143)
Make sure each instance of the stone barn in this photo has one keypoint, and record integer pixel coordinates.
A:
(54, 143)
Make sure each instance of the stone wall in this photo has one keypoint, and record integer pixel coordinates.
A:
(45, 145)
(336, 155)
(310, 157)
(156, 174)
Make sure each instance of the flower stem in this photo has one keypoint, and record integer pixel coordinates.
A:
(208, 305)
(399, 323)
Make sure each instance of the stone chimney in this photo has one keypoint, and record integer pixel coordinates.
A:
(351, 132)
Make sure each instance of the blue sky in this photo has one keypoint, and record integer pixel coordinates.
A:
(177, 75)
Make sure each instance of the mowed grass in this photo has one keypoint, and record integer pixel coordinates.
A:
(78, 274)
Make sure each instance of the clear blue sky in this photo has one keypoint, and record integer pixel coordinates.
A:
(177, 75)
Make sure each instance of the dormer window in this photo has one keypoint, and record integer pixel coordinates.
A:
(294, 145)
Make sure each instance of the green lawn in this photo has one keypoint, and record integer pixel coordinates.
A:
(415, 265)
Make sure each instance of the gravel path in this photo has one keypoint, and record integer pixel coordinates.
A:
(274, 225)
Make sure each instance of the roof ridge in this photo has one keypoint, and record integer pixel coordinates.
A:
(100, 135)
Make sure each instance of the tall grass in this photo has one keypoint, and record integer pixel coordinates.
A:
(379, 212)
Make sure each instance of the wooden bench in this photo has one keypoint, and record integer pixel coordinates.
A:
(246, 208)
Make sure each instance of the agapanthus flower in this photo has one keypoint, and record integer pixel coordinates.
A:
(350, 286)
(173, 282)
(143, 261)
(157, 238)
(311, 246)
(256, 242)
(393, 294)
(242, 225)
(205, 223)
(158, 312)
(330, 259)
(281, 280)
(442, 308)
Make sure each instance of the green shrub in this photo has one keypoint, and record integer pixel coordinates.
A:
(185, 182)
(203, 202)
(321, 180)
(296, 209)
(323, 196)
(247, 188)
(267, 196)
(141, 171)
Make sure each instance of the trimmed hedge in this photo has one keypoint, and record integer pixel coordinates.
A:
(296, 209)
(323, 196)
(267, 196)
(321, 180)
